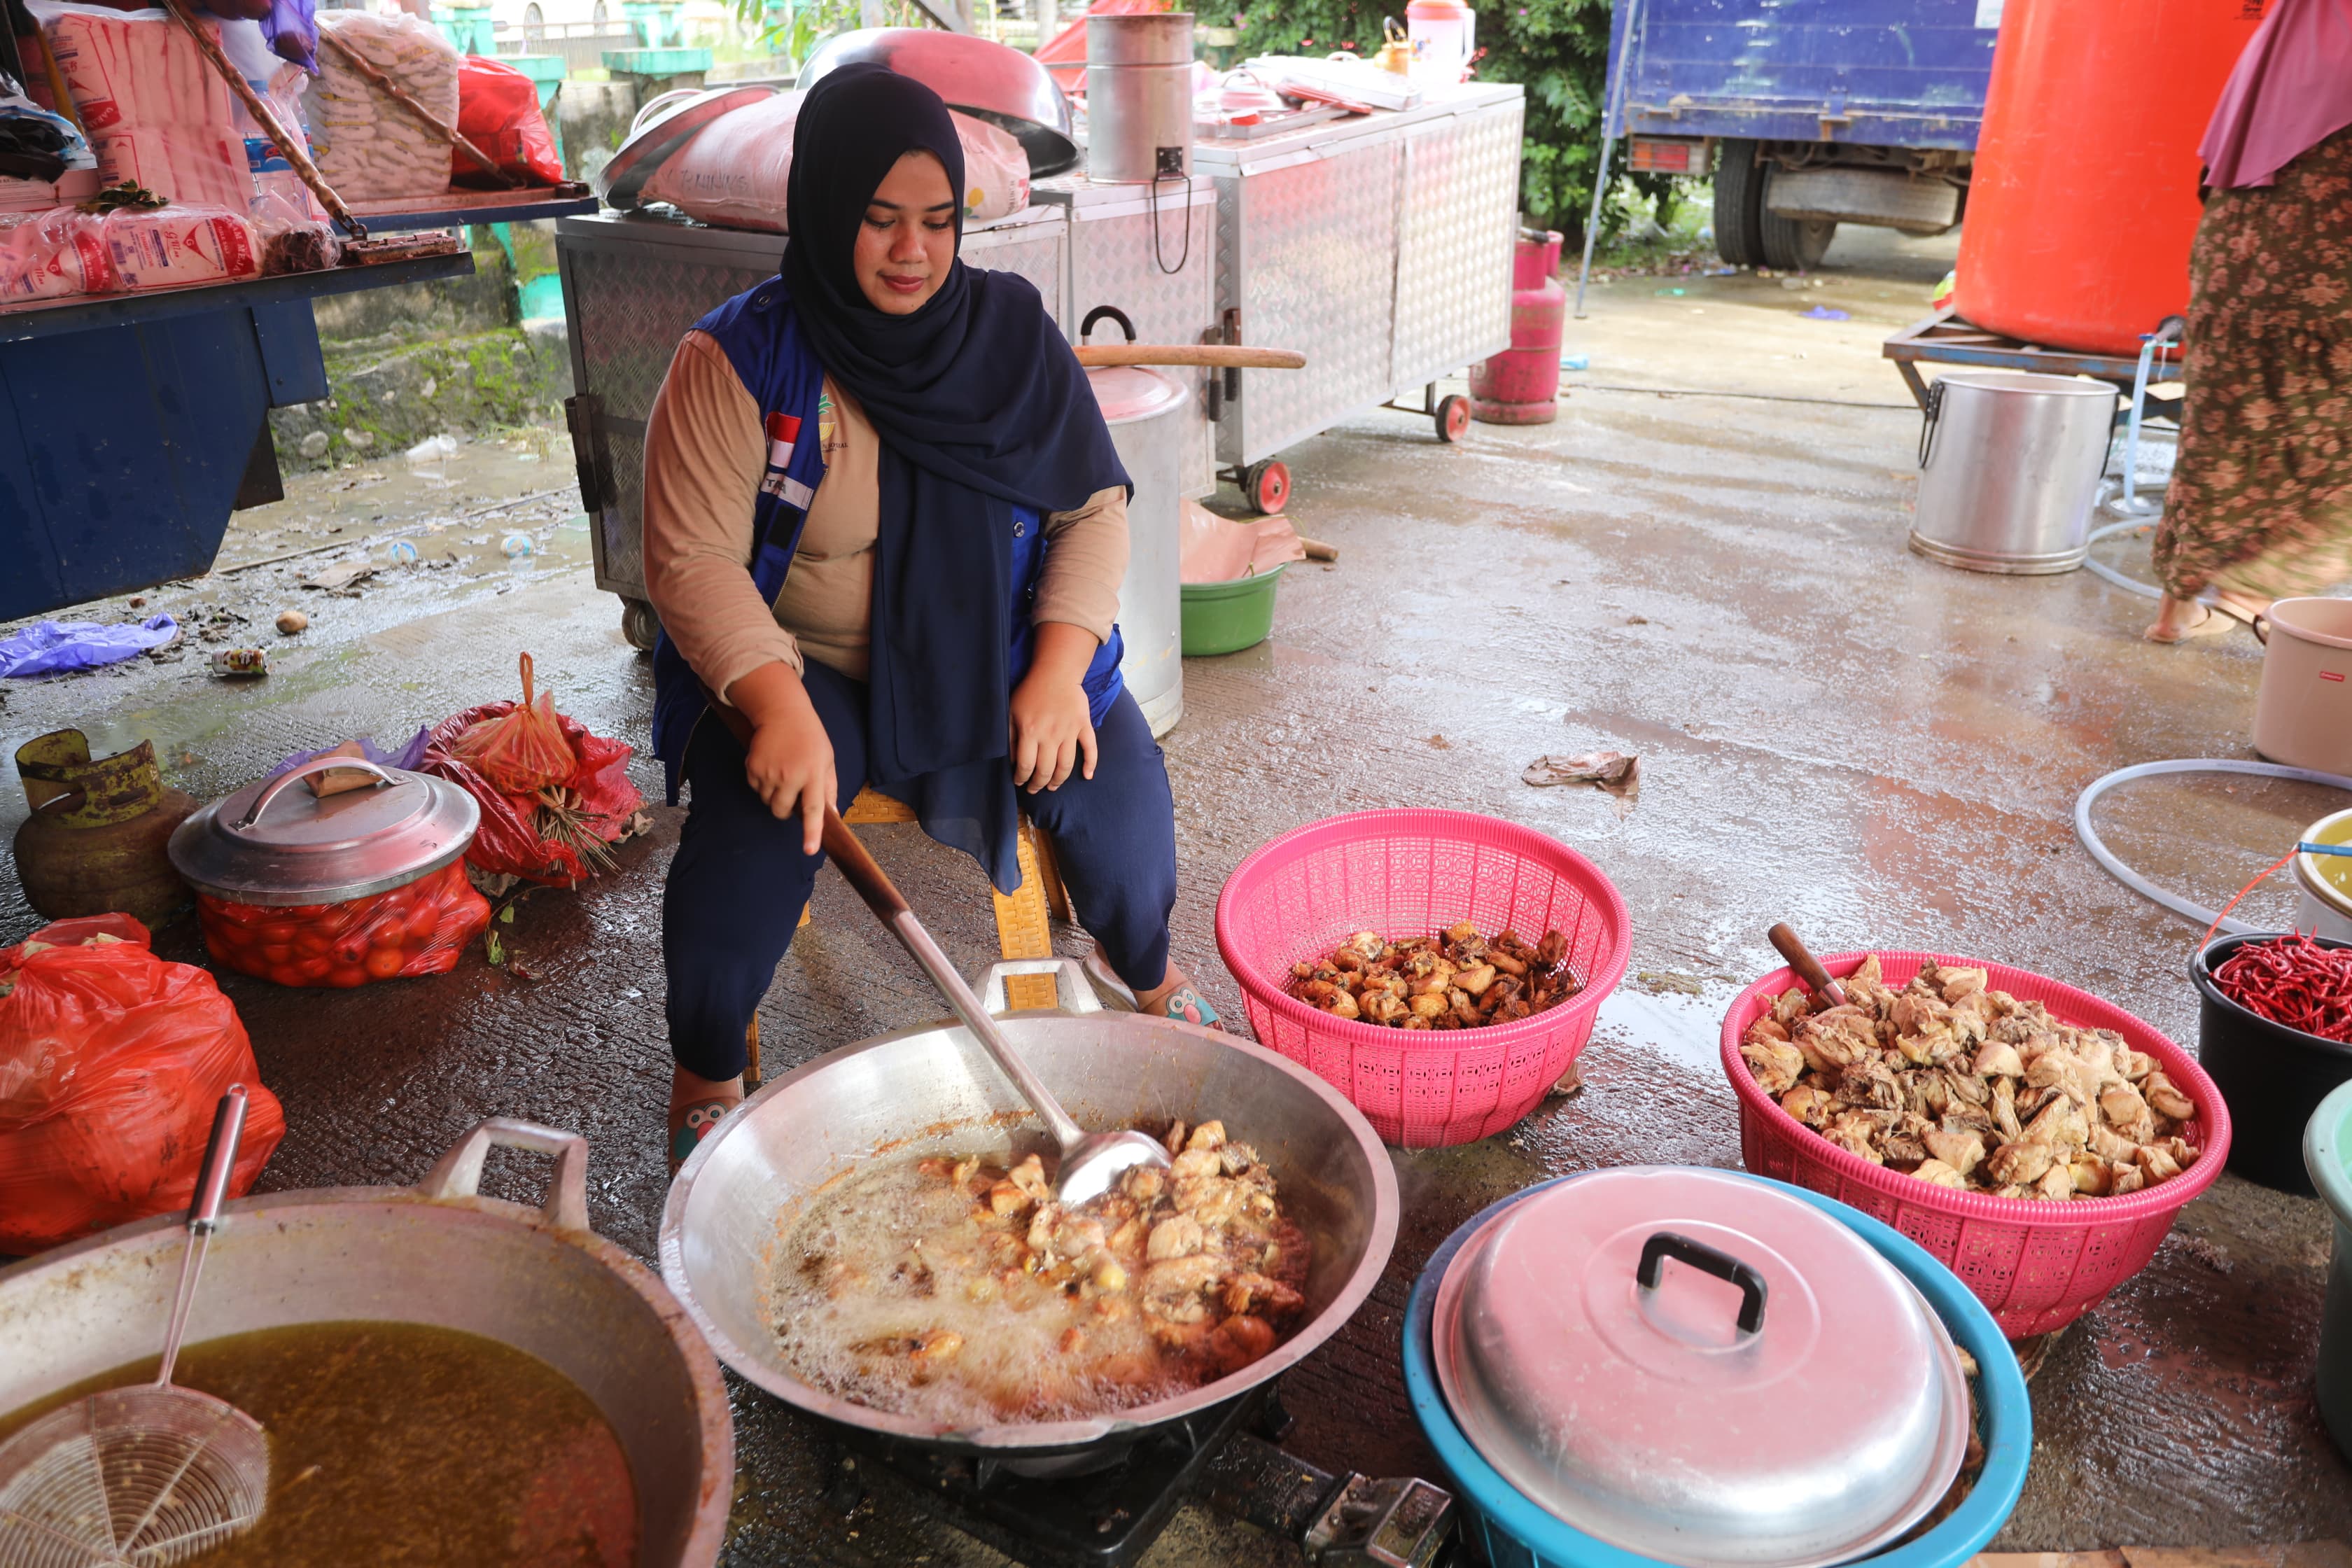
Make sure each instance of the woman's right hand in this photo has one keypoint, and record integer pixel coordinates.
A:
(789, 764)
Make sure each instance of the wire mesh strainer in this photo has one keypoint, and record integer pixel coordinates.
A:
(150, 1475)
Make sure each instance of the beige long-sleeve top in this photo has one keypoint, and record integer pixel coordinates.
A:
(706, 451)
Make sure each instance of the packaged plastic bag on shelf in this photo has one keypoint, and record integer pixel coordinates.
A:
(418, 928)
(497, 110)
(368, 146)
(168, 247)
(733, 172)
(52, 256)
(111, 1061)
(155, 112)
(35, 144)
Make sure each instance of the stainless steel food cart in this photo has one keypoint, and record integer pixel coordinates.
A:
(1152, 253)
(1381, 246)
(633, 284)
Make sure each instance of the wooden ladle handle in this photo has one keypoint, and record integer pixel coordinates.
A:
(861, 871)
(1809, 968)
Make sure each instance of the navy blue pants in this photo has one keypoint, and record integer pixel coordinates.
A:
(739, 879)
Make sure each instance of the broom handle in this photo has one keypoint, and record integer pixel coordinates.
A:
(266, 117)
(441, 128)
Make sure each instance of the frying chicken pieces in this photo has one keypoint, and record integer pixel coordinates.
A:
(1968, 1088)
(1453, 980)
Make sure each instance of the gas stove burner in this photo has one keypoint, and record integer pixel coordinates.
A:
(1108, 1514)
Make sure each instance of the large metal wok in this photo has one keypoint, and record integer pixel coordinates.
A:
(539, 1281)
(931, 1089)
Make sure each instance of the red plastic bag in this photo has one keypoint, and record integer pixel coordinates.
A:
(497, 110)
(513, 839)
(518, 746)
(418, 928)
(112, 1062)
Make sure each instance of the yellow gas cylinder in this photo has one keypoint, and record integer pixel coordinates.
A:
(95, 841)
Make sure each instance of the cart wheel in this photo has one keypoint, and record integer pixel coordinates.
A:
(639, 624)
(1452, 417)
(1266, 485)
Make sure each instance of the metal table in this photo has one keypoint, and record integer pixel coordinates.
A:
(1946, 339)
(1381, 246)
(133, 424)
(633, 285)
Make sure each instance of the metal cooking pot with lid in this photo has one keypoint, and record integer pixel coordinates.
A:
(537, 1280)
(1698, 1367)
(931, 1091)
(271, 843)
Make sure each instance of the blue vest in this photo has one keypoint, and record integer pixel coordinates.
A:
(760, 332)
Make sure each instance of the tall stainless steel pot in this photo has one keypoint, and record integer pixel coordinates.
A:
(1139, 98)
(537, 1280)
(2009, 470)
(932, 1090)
(1146, 410)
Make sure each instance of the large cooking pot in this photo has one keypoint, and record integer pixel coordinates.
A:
(1148, 413)
(539, 1280)
(932, 1090)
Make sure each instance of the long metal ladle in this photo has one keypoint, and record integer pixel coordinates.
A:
(1090, 1162)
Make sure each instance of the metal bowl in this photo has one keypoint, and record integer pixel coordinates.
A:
(539, 1280)
(982, 78)
(931, 1091)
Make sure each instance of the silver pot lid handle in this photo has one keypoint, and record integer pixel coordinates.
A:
(458, 1172)
(1073, 992)
(320, 765)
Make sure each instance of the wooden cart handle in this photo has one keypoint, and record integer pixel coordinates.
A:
(1229, 357)
(288, 147)
(433, 122)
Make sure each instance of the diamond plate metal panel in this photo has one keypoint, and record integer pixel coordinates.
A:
(1457, 219)
(1116, 255)
(1311, 266)
(1039, 253)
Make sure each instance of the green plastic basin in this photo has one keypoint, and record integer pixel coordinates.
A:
(2327, 1150)
(1226, 617)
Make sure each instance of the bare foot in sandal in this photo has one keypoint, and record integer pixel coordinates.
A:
(2181, 619)
(696, 1105)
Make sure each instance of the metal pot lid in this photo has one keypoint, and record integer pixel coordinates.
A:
(1801, 1406)
(1131, 392)
(983, 78)
(273, 842)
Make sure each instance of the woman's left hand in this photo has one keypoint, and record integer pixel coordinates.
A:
(1052, 725)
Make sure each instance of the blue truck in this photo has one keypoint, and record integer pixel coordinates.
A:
(1808, 113)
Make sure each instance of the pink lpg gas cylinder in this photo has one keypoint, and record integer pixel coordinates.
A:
(1521, 384)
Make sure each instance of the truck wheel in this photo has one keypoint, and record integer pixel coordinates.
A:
(1791, 244)
(1738, 203)
(639, 624)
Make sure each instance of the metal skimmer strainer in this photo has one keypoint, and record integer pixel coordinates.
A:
(146, 1476)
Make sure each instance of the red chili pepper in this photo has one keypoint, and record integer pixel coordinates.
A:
(2294, 981)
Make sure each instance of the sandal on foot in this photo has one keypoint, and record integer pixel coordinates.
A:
(1185, 1004)
(696, 1122)
(2215, 622)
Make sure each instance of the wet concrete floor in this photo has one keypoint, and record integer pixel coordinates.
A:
(1831, 731)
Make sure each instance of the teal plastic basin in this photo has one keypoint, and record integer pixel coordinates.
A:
(2328, 1153)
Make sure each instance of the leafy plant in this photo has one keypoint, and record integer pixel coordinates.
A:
(1557, 50)
(796, 27)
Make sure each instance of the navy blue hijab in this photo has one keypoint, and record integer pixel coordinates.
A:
(981, 407)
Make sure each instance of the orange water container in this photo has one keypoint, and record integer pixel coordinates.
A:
(2082, 201)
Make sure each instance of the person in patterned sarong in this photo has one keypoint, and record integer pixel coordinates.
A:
(2260, 503)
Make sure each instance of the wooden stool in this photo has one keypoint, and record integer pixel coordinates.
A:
(1022, 917)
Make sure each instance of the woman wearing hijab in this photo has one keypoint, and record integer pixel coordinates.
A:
(885, 524)
(2260, 502)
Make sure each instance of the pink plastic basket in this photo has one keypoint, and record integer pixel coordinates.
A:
(2036, 1266)
(1405, 874)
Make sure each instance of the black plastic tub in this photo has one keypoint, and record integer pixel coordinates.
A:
(2271, 1077)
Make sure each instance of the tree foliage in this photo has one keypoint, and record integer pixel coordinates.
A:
(1557, 50)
